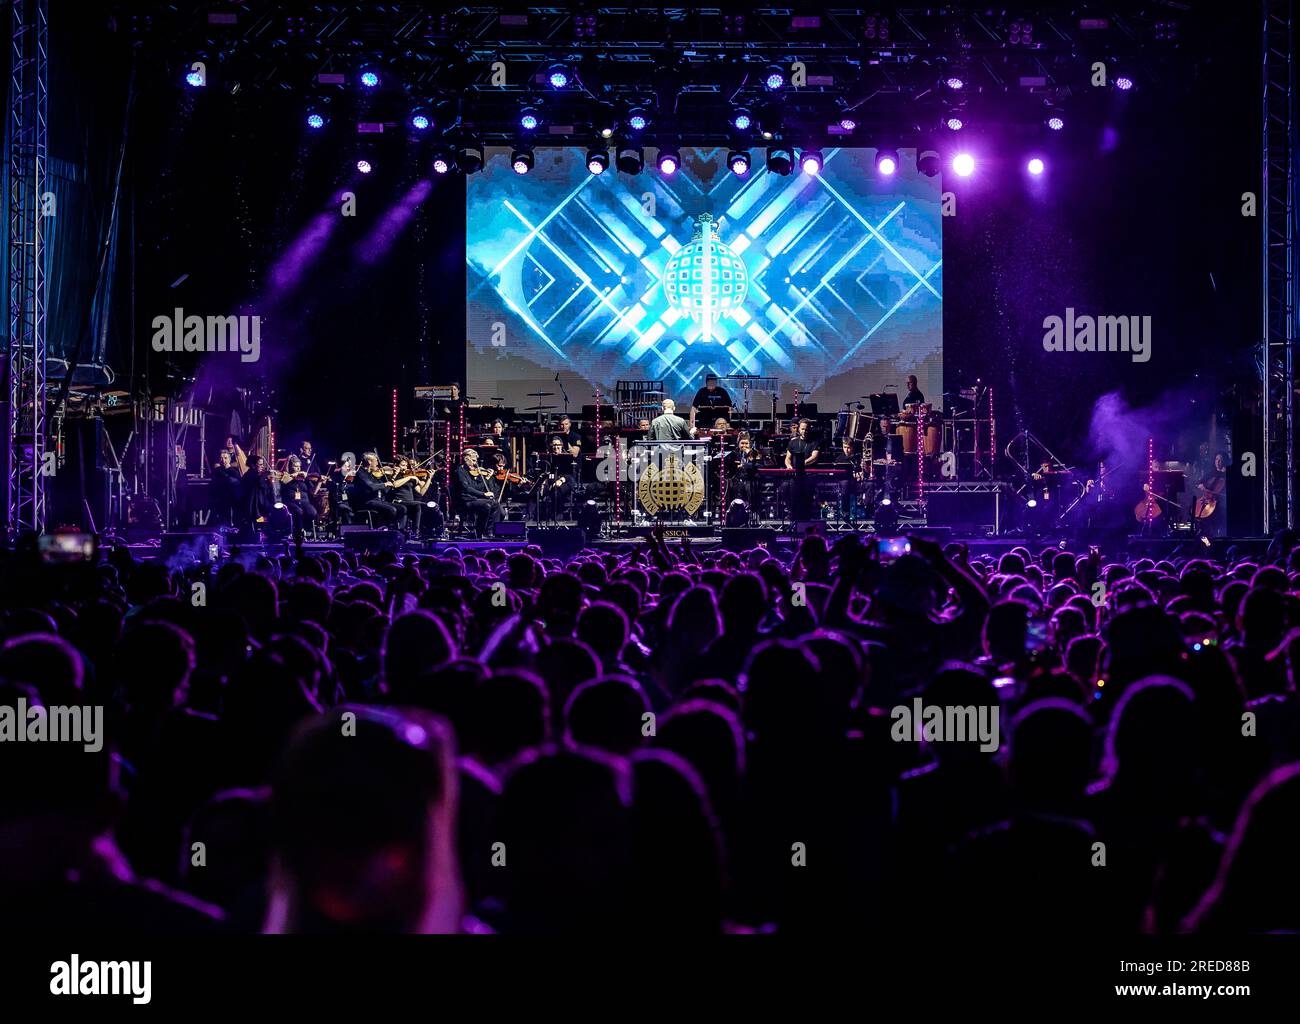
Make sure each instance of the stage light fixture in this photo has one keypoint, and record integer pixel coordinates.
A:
(471, 158)
(669, 161)
(1035, 166)
(1032, 503)
(848, 124)
(420, 120)
(738, 161)
(637, 119)
(194, 79)
(365, 166)
(558, 76)
(1055, 123)
(1123, 83)
(521, 160)
(630, 159)
(528, 119)
(316, 120)
(964, 165)
(886, 161)
(597, 161)
(810, 161)
(741, 120)
(775, 77)
(369, 78)
(955, 124)
(780, 159)
(607, 133)
(955, 84)
(927, 162)
(444, 160)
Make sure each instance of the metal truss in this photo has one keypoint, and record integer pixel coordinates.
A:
(28, 111)
(879, 67)
(1278, 216)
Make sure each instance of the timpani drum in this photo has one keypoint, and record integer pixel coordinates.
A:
(857, 425)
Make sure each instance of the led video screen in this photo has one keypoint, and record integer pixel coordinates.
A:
(831, 283)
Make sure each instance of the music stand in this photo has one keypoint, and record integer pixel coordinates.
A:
(884, 403)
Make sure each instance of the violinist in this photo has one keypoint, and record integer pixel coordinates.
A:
(371, 490)
(476, 494)
(410, 490)
(295, 493)
(340, 484)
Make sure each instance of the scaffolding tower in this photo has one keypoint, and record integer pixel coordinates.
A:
(1278, 214)
(25, 358)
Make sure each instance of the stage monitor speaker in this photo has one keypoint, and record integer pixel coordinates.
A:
(515, 529)
(558, 540)
(743, 538)
(370, 541)
(962, 510)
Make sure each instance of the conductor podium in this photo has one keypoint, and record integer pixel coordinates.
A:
(670, 479)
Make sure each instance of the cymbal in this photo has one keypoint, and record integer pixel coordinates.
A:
(541, 408)
(540, 394)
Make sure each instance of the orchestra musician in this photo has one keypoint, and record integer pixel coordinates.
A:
(742, 470)
(851, 459)
(295, 494)
(224, 489)
(1208, 506)
(409, 494)
(643, 429)
(914, 395)
(668, 426)
(712, 399)
(571, 438)
(557, 486)
(476, 494)
(339, 485)
(307, 456)
(800, 453)
(256, 493)
(370, 492)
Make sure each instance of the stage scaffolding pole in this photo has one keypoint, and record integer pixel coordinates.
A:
(1278, 237)
(28, 111)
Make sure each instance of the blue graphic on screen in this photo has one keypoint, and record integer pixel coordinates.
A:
(831, 283)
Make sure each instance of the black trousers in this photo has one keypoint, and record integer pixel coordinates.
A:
(386, 513)
(481, 512)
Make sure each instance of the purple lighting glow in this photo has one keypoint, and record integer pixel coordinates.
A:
(811, 161)
(887, 165)
(954, 124)
(1055, 123)
(667, 164)
(1035, 166)
(364, 166)
(1123, 83)
(955, 83)
(964, 165)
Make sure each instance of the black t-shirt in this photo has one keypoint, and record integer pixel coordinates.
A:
(913, 397)
(799, 451)
(571, 440)
(715, 399)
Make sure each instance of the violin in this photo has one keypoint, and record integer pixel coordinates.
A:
(504, 475)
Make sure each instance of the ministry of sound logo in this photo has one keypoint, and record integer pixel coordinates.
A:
(705, 278)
